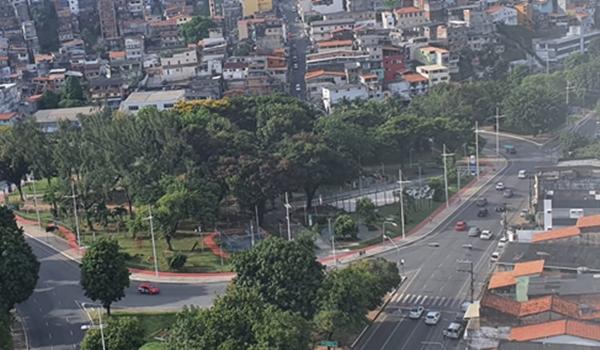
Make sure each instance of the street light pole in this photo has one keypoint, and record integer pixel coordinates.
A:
(332, 241)
(383, 229)
(400, 261)
(445, 155)
(35, 203)
(101, 329)
(75, 212)
(287, 216)
(477, 148)
(401, 202)
(497, 132)
(150, 218)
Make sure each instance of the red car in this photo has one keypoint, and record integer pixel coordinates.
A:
(147, 288)
(460, 226)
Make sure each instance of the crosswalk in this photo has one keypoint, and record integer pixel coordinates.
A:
(427, 301)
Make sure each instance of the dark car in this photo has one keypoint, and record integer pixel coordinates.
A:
(147, 288)
(483, 212)
(508, 193)
(482, 202)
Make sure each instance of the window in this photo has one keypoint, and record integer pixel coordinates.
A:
(134, 108)
(168, 105)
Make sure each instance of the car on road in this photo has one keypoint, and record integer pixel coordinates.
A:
(522, 174)
(499, 186)
(482, 202)
(482, 212)
(486, 234)
(502, 242)
(460, 226)
(453, 331)
(298, 88)
(432, 317)
(495, 256)
(508, 193)
(295, 66)
(416, 312)
(147, 288)
(474, 232)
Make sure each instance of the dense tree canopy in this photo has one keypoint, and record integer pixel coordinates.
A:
(197, 29)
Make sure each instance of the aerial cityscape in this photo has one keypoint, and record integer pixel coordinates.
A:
(299, 174)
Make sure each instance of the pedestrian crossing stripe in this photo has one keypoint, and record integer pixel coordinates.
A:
(426, 300)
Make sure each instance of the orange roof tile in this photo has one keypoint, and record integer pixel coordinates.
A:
(7, 116)
(406, 10)
(334, 43)
(414, 77)
(502, 279)
(537, 331)
(566, 232)
(528, 268)
(509, 278)
(588, 221)
(116, 54)
(321, 72)
(554, 328)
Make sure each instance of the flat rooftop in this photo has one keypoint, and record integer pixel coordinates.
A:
(149, 97)
(565, 256)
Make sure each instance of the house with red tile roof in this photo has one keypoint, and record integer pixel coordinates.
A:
(570, 332)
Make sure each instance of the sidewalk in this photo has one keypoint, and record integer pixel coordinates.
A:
(68, 247)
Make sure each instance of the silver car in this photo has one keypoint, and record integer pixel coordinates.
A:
(474, 232)
(432, 317)
(416, 312)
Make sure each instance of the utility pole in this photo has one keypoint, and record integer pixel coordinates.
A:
(75, 212)
(445, 155)
(287, 216)
(469, 270)
(401, 202)
(35, 203)
(332, 241)
(477, 148)
(151, 219)
(251, 233)
(257, 221)
(567, 88)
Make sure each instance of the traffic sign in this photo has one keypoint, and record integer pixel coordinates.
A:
(329, 343)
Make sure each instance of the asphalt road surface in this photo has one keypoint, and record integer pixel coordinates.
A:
(434, 279)
(297, 48)
(52, 315)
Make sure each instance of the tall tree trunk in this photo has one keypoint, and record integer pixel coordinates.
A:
(129, 203)
(18, 184)
(310, 195)
(107, 307)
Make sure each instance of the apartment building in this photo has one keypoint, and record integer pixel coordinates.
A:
(252, 7)
(108, 19)
(160, 100)
(179, 66)
(323, 30)
(318, 79)
(556, 50)
(435, 73)
(410, 17)
(332, 95)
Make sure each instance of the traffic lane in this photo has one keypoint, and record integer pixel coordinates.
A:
(51, 317)
(409, 334)
(172, 296)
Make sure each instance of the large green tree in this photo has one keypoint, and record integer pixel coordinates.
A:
(197, 29)
(104, 275)
(285, 273)
(19, 267)
(123, 333)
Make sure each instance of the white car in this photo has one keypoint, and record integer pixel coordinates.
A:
(502, 242)
(453, 331)
(432, 317)
(416, 312)
(298, 88)
(522, 174)
(486, 234)
(495, 256)
(499, 186)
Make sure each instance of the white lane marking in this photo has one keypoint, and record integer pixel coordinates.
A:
(435, 300)
(405, 298)
(417, 300)
(424, 298)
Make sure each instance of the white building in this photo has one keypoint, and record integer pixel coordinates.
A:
(322, 30)
(556, 50)
(134, 48)
(503, 14)
(435, 73)
(161, 100)
(179, 66)
(348, 92)
(327, 6)
(49, 119)
(388, 21)
(9, 97)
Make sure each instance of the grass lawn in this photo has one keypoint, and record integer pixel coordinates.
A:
(153, 346)
(154, 324)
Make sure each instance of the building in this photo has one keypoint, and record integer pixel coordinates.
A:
(251, 7)
(409, 85)
(503, 14)
(345, 92)
(107, 91)
(10, 97)
(179, 66)
(435, 73)
(8, 118)
(323, 30)
(49, 119)
(232, 13)
(410, 17)
(556, 50)
(160, 100)
(108, 19)
(134, 48)
(318, 79)
(327, 6)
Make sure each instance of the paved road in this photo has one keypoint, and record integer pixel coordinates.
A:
(297, 49)
(52, 318)
(433, 279)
